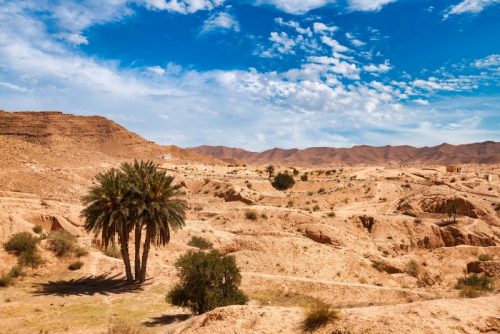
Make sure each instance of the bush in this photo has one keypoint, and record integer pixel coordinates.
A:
(21, 242)
(37, 229)
(16, 271)
(413, 268)
(331, 214)
(473, 285)
(485, 257)
(207, 280)
(200, 242)
(75, 265)
(283, 181)
(251, 215)
(30, 258)
(113, 251)
(303, 177)
(61, 243)
(319, 315)
(5, 280)
(80, 251)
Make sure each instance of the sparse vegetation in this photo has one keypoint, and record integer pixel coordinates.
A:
(283, 181)
(474, 285)
(30, 258)
(112, 251)
(331, 214)
(303, 177)
(121, 327)
(207, 280)
(61, 243)
(21, 242)
(5, 280)
(37, 229)
(200, 242)
(413, 268)
(485, 257)
(75, 265)
(319, 315)
(251, 215)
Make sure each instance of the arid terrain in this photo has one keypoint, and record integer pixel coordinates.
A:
(374, 240)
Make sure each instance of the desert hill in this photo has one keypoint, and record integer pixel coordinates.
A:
(480, 153)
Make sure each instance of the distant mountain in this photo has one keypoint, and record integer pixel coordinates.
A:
(480, 153)
(55, 138)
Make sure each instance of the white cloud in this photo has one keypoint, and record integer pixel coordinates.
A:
(295, 6)
(221, 21)
(183, 6)
(492, 61)
(421, 102)
(320, 27)
(73, 39)
(368, 5)
(470, 6)
(381, 68)
(13, 87)
(156, 70)
(334, 44)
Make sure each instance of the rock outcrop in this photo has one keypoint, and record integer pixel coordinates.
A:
(489, 268)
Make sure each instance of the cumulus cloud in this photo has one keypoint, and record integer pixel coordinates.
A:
(470, 6)
(220, 22)
(492, 61)
(182, 6)
(368, 5)
(73, 39)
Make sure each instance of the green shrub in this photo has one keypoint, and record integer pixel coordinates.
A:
(251, 215)
(474, 285)
(21, 242)
(30, 258)
(319, 315)
(200, 242)
(283, 181)
(37, 229)
(485, 257)
(207, 280)
(75, 265)
(5, 280)
(61, 243)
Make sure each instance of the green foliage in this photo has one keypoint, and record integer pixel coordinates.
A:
(207, 280)
(30, 258)
(474, 285)
(61, 243)
(21, 242)
(485, 257)
(200, 242)
(283, 181)
(37, 229)
(251, 215)
(319, 315)
(75, 265)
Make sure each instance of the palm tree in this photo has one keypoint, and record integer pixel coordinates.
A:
(107, 211)
(155, 207)
(137, 175)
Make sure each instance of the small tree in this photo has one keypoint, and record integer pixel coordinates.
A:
(283, 181)
(270, 170)
(453, 210)
(207, 280)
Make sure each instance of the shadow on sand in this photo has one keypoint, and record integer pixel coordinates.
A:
(88, 286)
(166, 319)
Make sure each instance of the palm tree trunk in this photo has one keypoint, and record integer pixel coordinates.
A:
(145, 254)
(125, 255)
(138, 232)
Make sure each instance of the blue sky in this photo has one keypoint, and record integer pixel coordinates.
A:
(259, 74)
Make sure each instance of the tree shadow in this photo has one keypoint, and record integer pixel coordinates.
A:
(88, 286)
(166, 319)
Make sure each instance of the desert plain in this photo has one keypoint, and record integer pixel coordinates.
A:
(374, 240)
